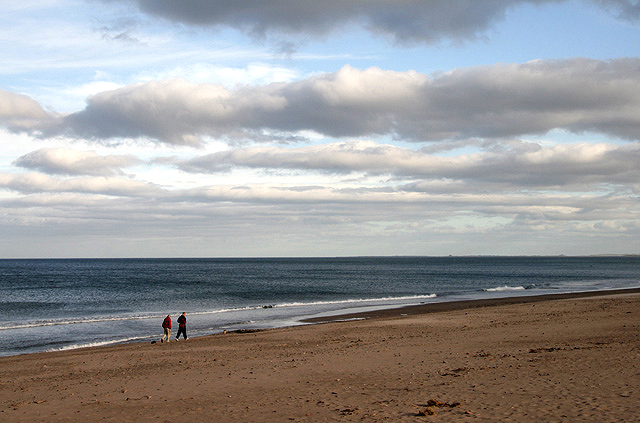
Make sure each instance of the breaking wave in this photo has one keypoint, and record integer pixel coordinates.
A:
(505, 288)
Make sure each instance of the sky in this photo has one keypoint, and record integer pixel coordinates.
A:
(209, 128)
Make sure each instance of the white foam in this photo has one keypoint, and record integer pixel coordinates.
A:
(98, 343)
(504, 288)
(45, 323)
(355, 301)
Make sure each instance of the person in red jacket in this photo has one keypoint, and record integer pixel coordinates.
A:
(182, 326)
(166, 325)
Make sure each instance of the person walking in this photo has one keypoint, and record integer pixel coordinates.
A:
(166, 325)
(182, 326)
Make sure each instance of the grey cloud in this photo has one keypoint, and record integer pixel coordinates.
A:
(507, 100)
(504, 100)
(53, 190)
(498, 101)
(408, 21)
(70, 162)
(518, 165)
(131, 216)
(122, 227)
(254, 208)
(517, 179)
(414, 20)
(40, 183)
(120, 30)
(339, 157)
(624, 9)
(162, 110)
(20, 113)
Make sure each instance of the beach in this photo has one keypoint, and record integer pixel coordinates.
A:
(554, 358)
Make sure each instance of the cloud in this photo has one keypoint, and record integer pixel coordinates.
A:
(40, 183)
(497, 101)
(20, 113)
(174, 111)
(322, 198)
(414, 21)
(128, 209)
(532, 98)
(520, 166)
(519, 190)
(122, 29)
(624, 9)
(503, 100)
(64, 161)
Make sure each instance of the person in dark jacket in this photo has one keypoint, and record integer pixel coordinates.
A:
(182, 326)
(166, 325)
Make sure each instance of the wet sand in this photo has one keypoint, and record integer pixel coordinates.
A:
(560, 358)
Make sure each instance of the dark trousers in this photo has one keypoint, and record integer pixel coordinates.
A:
(182, 330)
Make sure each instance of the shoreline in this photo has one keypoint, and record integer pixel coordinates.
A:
(444, 306)
(393, 311)
(558, 357)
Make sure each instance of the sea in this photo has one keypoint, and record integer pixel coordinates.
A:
(60, 304)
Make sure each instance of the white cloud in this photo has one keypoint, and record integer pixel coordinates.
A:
(21, 113)
(39, 183)
(522, 166)
(503, 100)
(65, 161)
(255, 73)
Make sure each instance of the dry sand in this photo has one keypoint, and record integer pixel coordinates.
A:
(564, 359)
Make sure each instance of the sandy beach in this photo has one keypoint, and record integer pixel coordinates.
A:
(543, 359)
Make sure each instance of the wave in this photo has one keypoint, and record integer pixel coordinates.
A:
(316, 303)
(100, 319)
(351, 301)
(44, 323)
(98, 343)
(504, 288)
